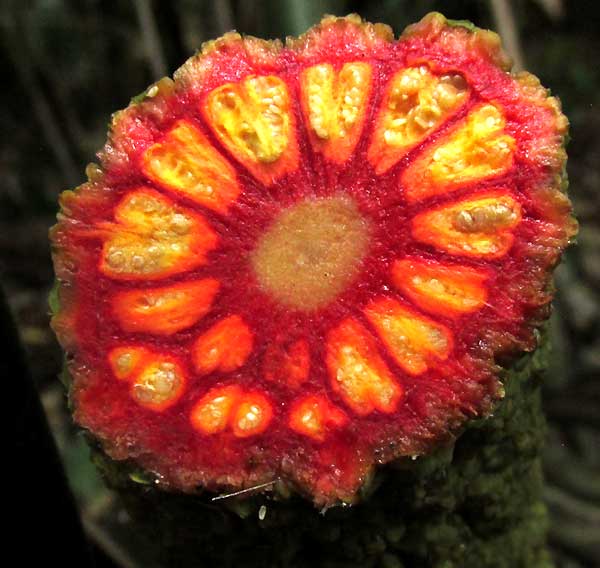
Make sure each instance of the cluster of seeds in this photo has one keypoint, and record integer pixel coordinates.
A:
(157, 384)
(152, 238)
(156, 380)
(417, 102)
(441, 289)
(485, 218)
(251, 117)
(319, 94)
(480, 149)
(245, 413)
(414, 341)
(335, 100)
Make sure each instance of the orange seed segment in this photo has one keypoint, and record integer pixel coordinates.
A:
(153, 238)
(334, 103)
(439, 288)
(159, 384)
(415, 104)
(211, 414)
(413, 340)
(186, 162)
(247, 413)
(165, 310)
(357, 371)
(478, 227)
(252, 119)
(252, 415)
(125, 361)
(476, 150)
(224, 347)
(314, 415)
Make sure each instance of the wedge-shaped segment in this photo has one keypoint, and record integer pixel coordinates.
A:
(152, 237)
(252, 415)
(476, 150)
(185, 161)
(415, 103)
(440, 288)
(287, 363)
(212, 412)
(334, 104)
(245, 413)
(357, 371)
(414, 341)
(157, 380)
(314, 416)
(126, 361)
(224, 347)
(253, 120)
(165, 310)
(476, 226)
(160, 384)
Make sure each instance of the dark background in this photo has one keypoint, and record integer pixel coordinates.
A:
(67, 64)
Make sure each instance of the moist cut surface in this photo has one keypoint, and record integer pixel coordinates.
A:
(298, 261)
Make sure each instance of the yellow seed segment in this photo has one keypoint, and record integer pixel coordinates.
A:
(477, 150)
(413, 340)
(416, 103)
(472, 227)
(318, 91)
(125, 361)
(486, 218)
(153, 238)
(158, 385)
(253, 120)
(358, 372)
(334, 103)
(124, 364)
(186, 162)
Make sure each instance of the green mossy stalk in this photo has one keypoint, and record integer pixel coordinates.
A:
(475, 504)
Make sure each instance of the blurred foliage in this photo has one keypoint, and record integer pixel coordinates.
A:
(68, 64)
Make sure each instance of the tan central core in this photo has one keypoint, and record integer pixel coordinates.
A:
(312, 252)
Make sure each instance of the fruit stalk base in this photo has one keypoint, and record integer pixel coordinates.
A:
(475, 503)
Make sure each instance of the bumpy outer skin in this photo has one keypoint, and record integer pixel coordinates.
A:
(475, 503)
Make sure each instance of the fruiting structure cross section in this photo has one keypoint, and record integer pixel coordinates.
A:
(300, 260)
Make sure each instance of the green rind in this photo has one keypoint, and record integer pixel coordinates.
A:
(462, 24)
(54, 298)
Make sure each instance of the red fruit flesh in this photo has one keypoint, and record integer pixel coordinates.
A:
(300, 260)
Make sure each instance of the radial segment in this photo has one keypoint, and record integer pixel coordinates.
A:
(254, 121)
(416, 102)
(186, 162)
(476, 150)
(335, 105)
